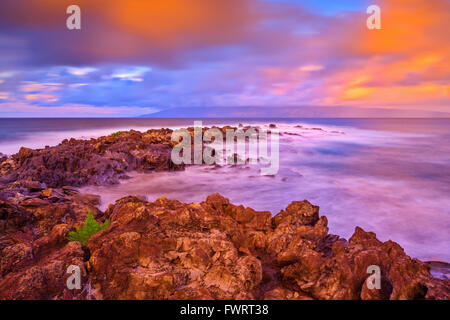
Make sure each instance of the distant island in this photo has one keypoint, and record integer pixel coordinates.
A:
(292, 112)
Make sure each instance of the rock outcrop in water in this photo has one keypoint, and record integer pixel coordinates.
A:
(100, 161)
(171, 250)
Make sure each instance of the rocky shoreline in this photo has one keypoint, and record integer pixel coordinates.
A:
(170, 250)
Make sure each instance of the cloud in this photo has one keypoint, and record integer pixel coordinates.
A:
(80, 71)
(24, 110)
(404, 63)
(168, 53)
(311, 68)
(131, 73)
(160, 32)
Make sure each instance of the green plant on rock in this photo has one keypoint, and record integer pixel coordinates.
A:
(116, 134)
(89, 228)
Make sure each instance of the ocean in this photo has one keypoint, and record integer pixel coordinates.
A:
(389, 176)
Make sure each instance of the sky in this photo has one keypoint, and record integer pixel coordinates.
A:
(134, 57)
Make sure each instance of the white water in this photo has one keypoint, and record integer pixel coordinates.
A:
(385, 175)
(373, 179)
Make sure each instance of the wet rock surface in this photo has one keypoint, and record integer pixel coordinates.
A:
(34, 251)
(210, 250)
(171, 250)
(96, 161)
(101, 161)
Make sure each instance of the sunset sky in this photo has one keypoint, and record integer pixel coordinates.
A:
(136, 57)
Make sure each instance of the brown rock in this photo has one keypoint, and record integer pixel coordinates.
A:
(47, 192)
(43, 277)
(170, 250)
(90, 199)
(210, 250)
(24, 153)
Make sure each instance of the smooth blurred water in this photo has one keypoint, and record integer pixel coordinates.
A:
(390, 176)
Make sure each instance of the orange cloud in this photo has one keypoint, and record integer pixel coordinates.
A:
(147, 29)
(407, 26)
(172, 22)
(41, 97)
(285, 55)
(406, 62)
